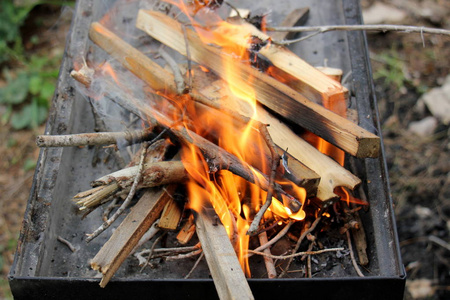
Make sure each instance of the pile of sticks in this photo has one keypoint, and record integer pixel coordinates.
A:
(286, 156)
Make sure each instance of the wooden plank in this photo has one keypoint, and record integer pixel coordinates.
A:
(130, 231)
(315, 85)
(270, 92)
(331, 173)
(229, 279)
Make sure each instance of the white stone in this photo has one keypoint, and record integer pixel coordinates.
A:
(380, 13)
(437, 101)
(424, 127)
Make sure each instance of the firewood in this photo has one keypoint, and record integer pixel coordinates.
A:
(223, 263)
(170, 217)
(297, 17)
(129, 232)
(187, 231)
(359, 236)
(333, 73)
(330, 172)
(154, 174)
(315, 84)
(270, 92)
(298, 172)
(90, 139)
(268, 261)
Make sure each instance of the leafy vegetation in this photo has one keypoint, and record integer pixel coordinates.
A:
(29, 87)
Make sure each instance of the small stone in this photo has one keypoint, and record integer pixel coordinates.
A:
(424, 127)
(383, 13)
(420, 288)
(423, 212)
(437, 101)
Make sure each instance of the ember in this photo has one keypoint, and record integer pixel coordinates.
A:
(224, 151)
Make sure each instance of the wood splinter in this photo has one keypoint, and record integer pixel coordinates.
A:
(130, 231)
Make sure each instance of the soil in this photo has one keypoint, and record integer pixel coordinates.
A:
(418, 166)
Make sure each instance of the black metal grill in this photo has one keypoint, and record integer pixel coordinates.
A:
(45, 268)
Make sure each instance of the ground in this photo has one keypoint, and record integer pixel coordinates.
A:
(419, 166)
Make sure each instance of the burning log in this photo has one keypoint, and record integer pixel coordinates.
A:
(315, 85)
(223, 264)
(125, 53)
(158, 78)
(130, 231)
(270, 92)
(331, 173)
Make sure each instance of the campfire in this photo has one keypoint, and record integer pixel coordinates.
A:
(238, 149)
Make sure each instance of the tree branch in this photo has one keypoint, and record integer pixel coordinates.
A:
(382, 27)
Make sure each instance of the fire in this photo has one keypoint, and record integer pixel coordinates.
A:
(234, 200)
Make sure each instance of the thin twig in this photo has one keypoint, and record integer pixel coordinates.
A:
(275, 162)
(275, 239)
(183, 256)
(297, 246)
(234, 8)
(195, 265)
(100, 126)
(151, 251)
(382, 27)
(309, 266)
(431, 238)
(67, 243)
(127, 201)
(352, 255)
(179, 81)
(268, 261)
(188, 56)
(151, 232)
(296, 254)
(109, 208)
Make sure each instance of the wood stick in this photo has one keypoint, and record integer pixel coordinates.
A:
(299, 242)
(187, 231)
(148, 235)
(217, 101)
(129, 232)
(270, 92)
(315, 84)
(155, 76)
(359, 236)
(275, 239)
(126, 202)
(352, 255)
(268, 261)
(331, 173)
(382, 27)
(297, 17)
(309, 252)
(171, 216)
(223, 263)
(91, 139)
